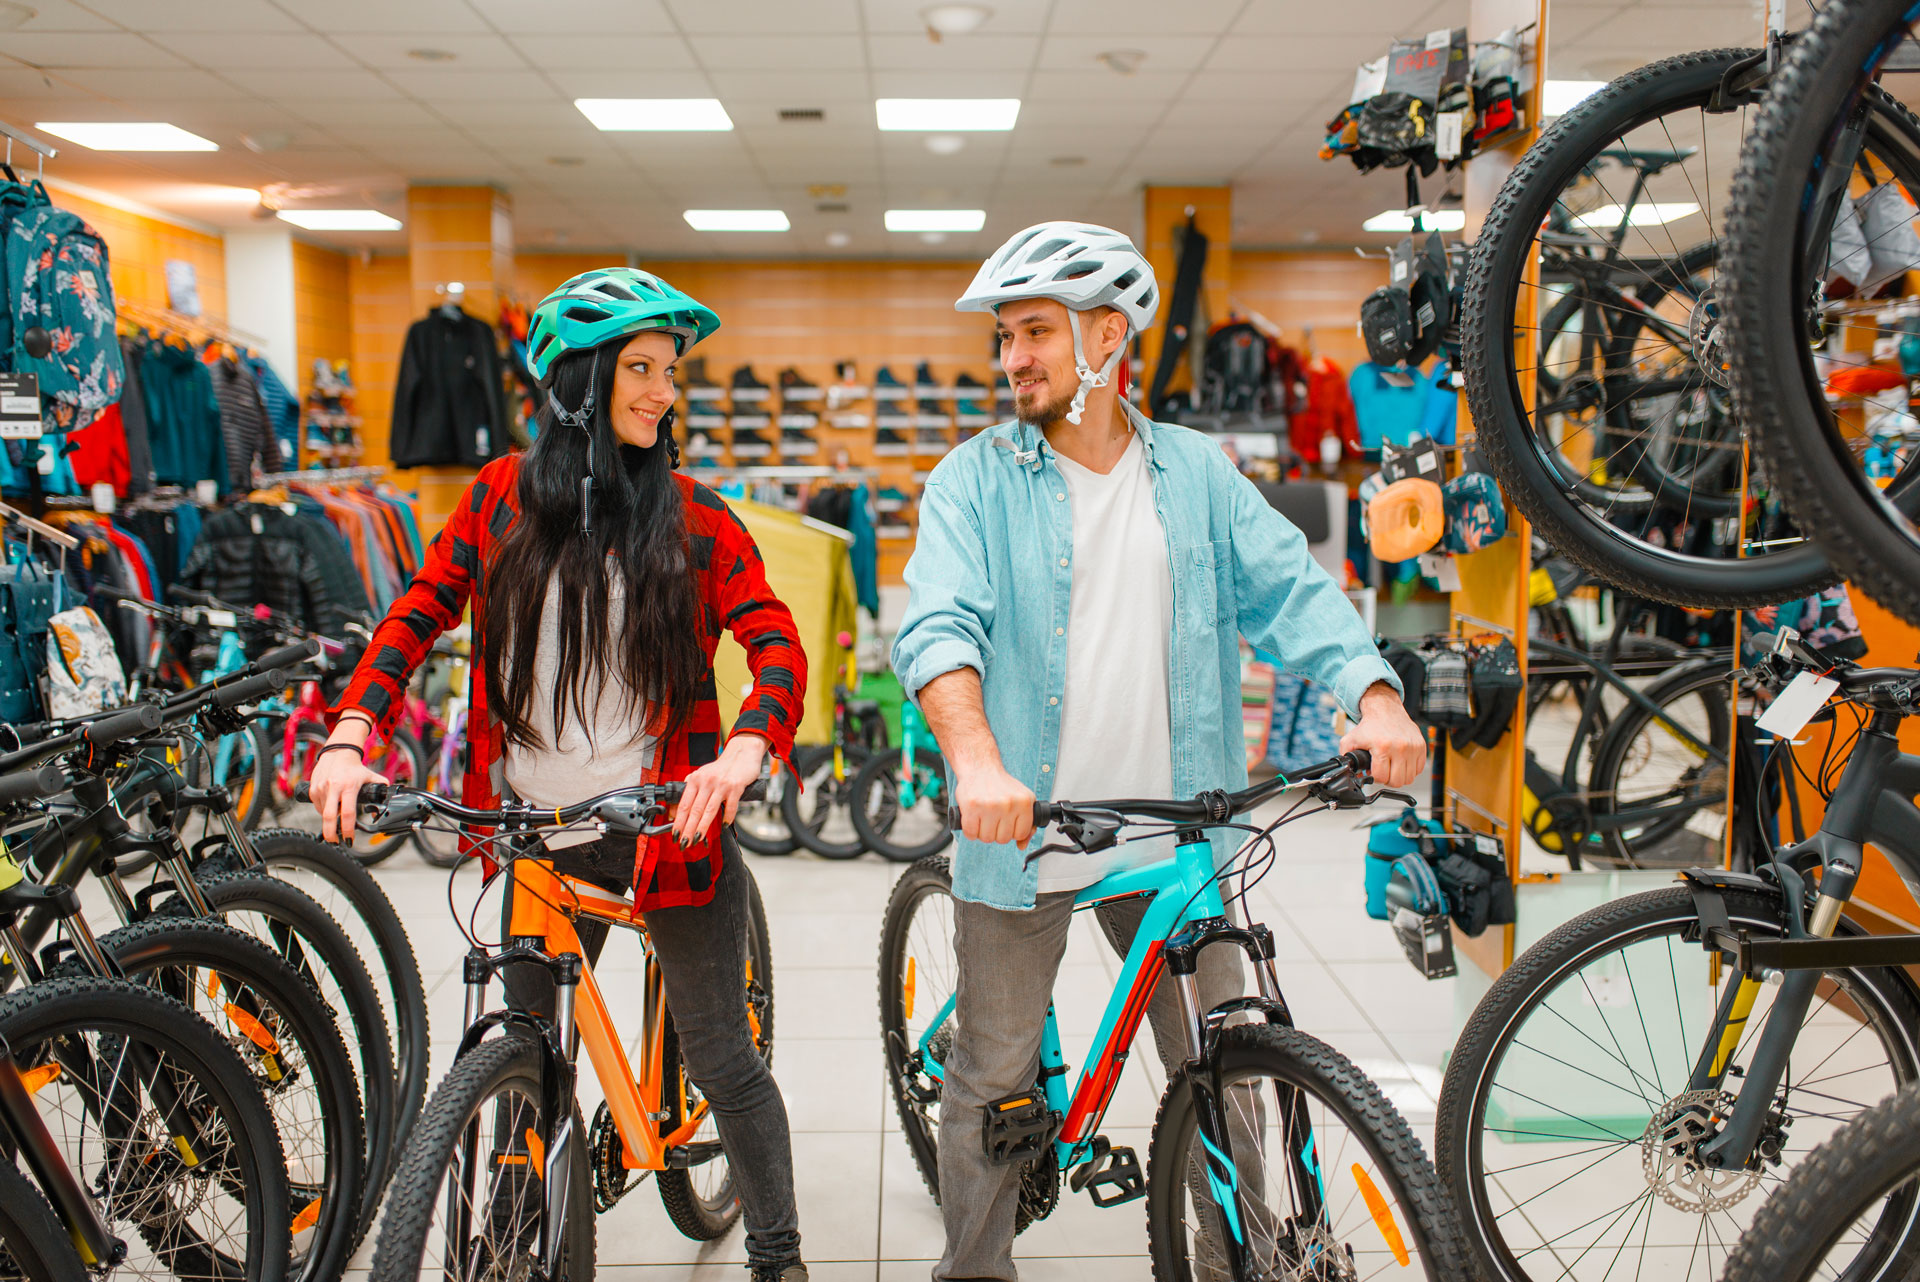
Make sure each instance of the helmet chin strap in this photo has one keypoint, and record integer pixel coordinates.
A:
(582, 418)
(1089, 377)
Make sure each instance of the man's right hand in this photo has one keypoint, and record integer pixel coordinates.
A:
(335, 787)
(994, 806)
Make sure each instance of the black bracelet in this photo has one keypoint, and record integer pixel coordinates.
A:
(336, 747)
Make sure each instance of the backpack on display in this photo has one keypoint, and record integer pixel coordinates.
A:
(16, 200)
(29, 598)
(84, 675)
(1237, 368)
(56, 270)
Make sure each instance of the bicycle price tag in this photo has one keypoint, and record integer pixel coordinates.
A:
(1788, 714)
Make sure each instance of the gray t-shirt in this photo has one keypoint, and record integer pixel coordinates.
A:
(1115, 729)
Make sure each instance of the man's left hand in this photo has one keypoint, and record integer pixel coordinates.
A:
(1398, 747)
(713, 791)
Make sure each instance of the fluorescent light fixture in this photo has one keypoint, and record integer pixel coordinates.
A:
(120, 135)
(936, 219)
(1400, 220)
(737, 219)
(1558, 97)
(340, 219)
(1651, 214)
(946, 114)
(660, 115)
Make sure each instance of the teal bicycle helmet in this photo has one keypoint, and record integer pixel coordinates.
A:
(609, 303)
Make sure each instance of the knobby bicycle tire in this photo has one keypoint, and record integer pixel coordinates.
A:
(1644, 848)
(407, 1228)
(879, 773)
(1837, 1185)
(1767, 295)
(809, 810)
(34, 1246)
(55, 1011)
(1501, 414)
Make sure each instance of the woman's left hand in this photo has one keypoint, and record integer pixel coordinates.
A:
(713, 791)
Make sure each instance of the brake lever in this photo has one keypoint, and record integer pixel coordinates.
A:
(1389, 795)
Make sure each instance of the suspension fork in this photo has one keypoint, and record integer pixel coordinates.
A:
(561, 1138)
(28, 1131)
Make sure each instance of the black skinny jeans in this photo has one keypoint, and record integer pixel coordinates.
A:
(703, 959)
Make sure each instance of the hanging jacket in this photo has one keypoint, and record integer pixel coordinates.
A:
(243, 424)
(1329, 408)
(133, 419)
(448, 406)
(283, 411)
(258, 553)
(98, 451)
(183, 418)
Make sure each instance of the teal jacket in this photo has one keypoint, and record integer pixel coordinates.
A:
(990, 590)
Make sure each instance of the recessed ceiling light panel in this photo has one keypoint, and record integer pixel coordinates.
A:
(946, 115)
(919, 220)
(120, 135)
(340, 219)
(658, 115)
(737, 219)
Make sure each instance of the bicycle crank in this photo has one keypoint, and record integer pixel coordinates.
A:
(1670, 1155)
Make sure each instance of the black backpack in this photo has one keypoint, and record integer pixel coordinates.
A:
(1236, 369)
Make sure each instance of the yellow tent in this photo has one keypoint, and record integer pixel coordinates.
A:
(808, 569)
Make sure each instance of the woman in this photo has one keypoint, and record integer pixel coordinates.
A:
(616, 688)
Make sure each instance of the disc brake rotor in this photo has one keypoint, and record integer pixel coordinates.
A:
(1705, 333)
(1670, 1155)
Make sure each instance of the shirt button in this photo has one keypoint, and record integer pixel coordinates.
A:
(1052, 701)
(1063, 560)
(1059, 632)
(1046, 770)
(1060, 497)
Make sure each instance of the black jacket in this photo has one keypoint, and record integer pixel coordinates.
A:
(449, 408)
(255, 553)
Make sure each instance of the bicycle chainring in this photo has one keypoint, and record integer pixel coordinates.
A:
(1039, 1190)
(1669, 1155)
(605, 1149)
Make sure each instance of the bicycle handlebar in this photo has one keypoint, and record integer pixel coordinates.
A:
(101, 732)
(624, 810)
(290, 656)
(44, 780)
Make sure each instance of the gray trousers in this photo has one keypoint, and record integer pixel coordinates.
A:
(1007, 965)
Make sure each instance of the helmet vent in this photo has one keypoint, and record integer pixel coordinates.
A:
(585, 315)
(614, 289)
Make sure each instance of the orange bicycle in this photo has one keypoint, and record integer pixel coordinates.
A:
(501, 1177)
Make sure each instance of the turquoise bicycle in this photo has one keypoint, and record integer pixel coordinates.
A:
(1272, 1156)
(899, 798)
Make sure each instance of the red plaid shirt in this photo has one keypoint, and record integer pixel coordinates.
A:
(733, 584)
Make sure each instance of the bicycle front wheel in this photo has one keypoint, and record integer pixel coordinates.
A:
(1831, 1211)
(818, 808)
(34, 1246)
(1323, 1164)
(468, 1201)
(900, 832)
(1564, 1092)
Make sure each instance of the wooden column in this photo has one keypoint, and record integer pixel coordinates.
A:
(460, 234)
(1166, 212)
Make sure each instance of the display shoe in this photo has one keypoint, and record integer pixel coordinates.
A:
(890, 499)
(793, 387)
(930, 440)
(886, 387)
(889, 441)
(746, 387)
(794, 440)
(695, 383)
(748, 443)
(970, 392)
(927, 388)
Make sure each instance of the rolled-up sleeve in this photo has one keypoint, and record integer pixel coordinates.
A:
(1291, 607)
(950, 598)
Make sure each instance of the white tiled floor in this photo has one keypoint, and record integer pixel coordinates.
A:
(864, 1212)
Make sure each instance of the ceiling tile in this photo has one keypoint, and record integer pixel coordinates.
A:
(1089, 121)
(445, 16)
(1196, 17)
(361, 86)
(1334, 57)
(354, 111)
(622, 84)
(838, 93)
(1262, 89)
(468, 86)
(949, 84)
(199, 15)
(85, 49)
(903, 17)
(1384, 18)
(255, 51)
(37, 86)
(126, 84)
(622, 53)
(1098, 85)
(812, 53)
(601, 17)
(973, 53)
(389, 50)
(64, 15)
(767, 16)
(1164, 53)
(560, 114)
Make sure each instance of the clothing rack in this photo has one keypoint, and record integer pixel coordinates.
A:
(215, 328)
(32, 142)
(39, 529)
(325, 475)
(795, 473)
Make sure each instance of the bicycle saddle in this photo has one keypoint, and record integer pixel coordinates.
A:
(1647, 160)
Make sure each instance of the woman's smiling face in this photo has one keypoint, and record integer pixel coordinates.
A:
(643, 387)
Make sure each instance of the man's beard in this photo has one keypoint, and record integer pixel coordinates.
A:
(1032, 409)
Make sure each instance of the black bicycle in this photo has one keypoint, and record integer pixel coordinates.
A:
(1655, 1063)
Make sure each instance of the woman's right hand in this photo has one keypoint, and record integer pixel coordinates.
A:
(335, 787)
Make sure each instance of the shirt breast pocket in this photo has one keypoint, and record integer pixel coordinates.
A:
(1210, 581)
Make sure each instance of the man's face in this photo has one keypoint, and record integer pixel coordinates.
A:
(1036, 351)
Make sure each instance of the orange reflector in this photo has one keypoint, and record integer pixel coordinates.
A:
(537, 1151)
(308, 1217)
(34, 1078)
(1382, 1216)
(908, 988)
(256, 1031)
(213, 986)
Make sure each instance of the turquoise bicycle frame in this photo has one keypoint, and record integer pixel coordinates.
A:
(911, 728)
(232, 657)
(1184, 915)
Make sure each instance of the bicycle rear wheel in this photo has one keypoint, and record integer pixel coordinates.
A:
(1625, 456)
(818, 806)
(1323, 1163)
(1830, 1212)
(469, 1198)
(909, 834)
(1854, 477)
(34, 1246)
(1649, 768)
(919, 977)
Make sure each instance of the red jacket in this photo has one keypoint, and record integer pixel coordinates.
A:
(734, 588)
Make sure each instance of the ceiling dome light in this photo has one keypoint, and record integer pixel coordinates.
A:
(431, 55)
(839, 239)
(953, 19)
(945, 144)
(933, 237)
(1122, 61)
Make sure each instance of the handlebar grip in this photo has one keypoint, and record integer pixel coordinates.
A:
(1362, 760)
(1042, 815)
(130, 724)
(756, 791)
(252, 689)
(193, 596)
(32, 785)
(371, 795)
(288, 656)
(112, 593)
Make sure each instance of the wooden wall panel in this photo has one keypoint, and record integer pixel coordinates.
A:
(1309, 294)
(322, 309)
(381, 289)
(138, 248)
(1166, 209)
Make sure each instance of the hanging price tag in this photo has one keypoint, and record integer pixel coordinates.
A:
(19, 407)
(1789, 713)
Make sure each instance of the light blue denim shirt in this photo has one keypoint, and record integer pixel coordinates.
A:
(991, 586)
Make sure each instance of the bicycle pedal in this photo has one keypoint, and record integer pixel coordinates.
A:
(1017, 1128)
(1116, 1168)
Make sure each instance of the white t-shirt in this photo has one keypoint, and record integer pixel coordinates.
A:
(585, 760)
(1116, 738)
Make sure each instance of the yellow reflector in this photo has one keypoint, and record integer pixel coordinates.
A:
(256, 1031)
(34, 1078)
(908, 989)
(308, 1217)
(1382, 1216)
(186, 1150)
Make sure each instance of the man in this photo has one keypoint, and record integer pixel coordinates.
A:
(1078, 588)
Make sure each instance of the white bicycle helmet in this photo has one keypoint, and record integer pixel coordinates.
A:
(1080, 266)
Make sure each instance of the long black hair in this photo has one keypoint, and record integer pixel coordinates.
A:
(638, 529)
